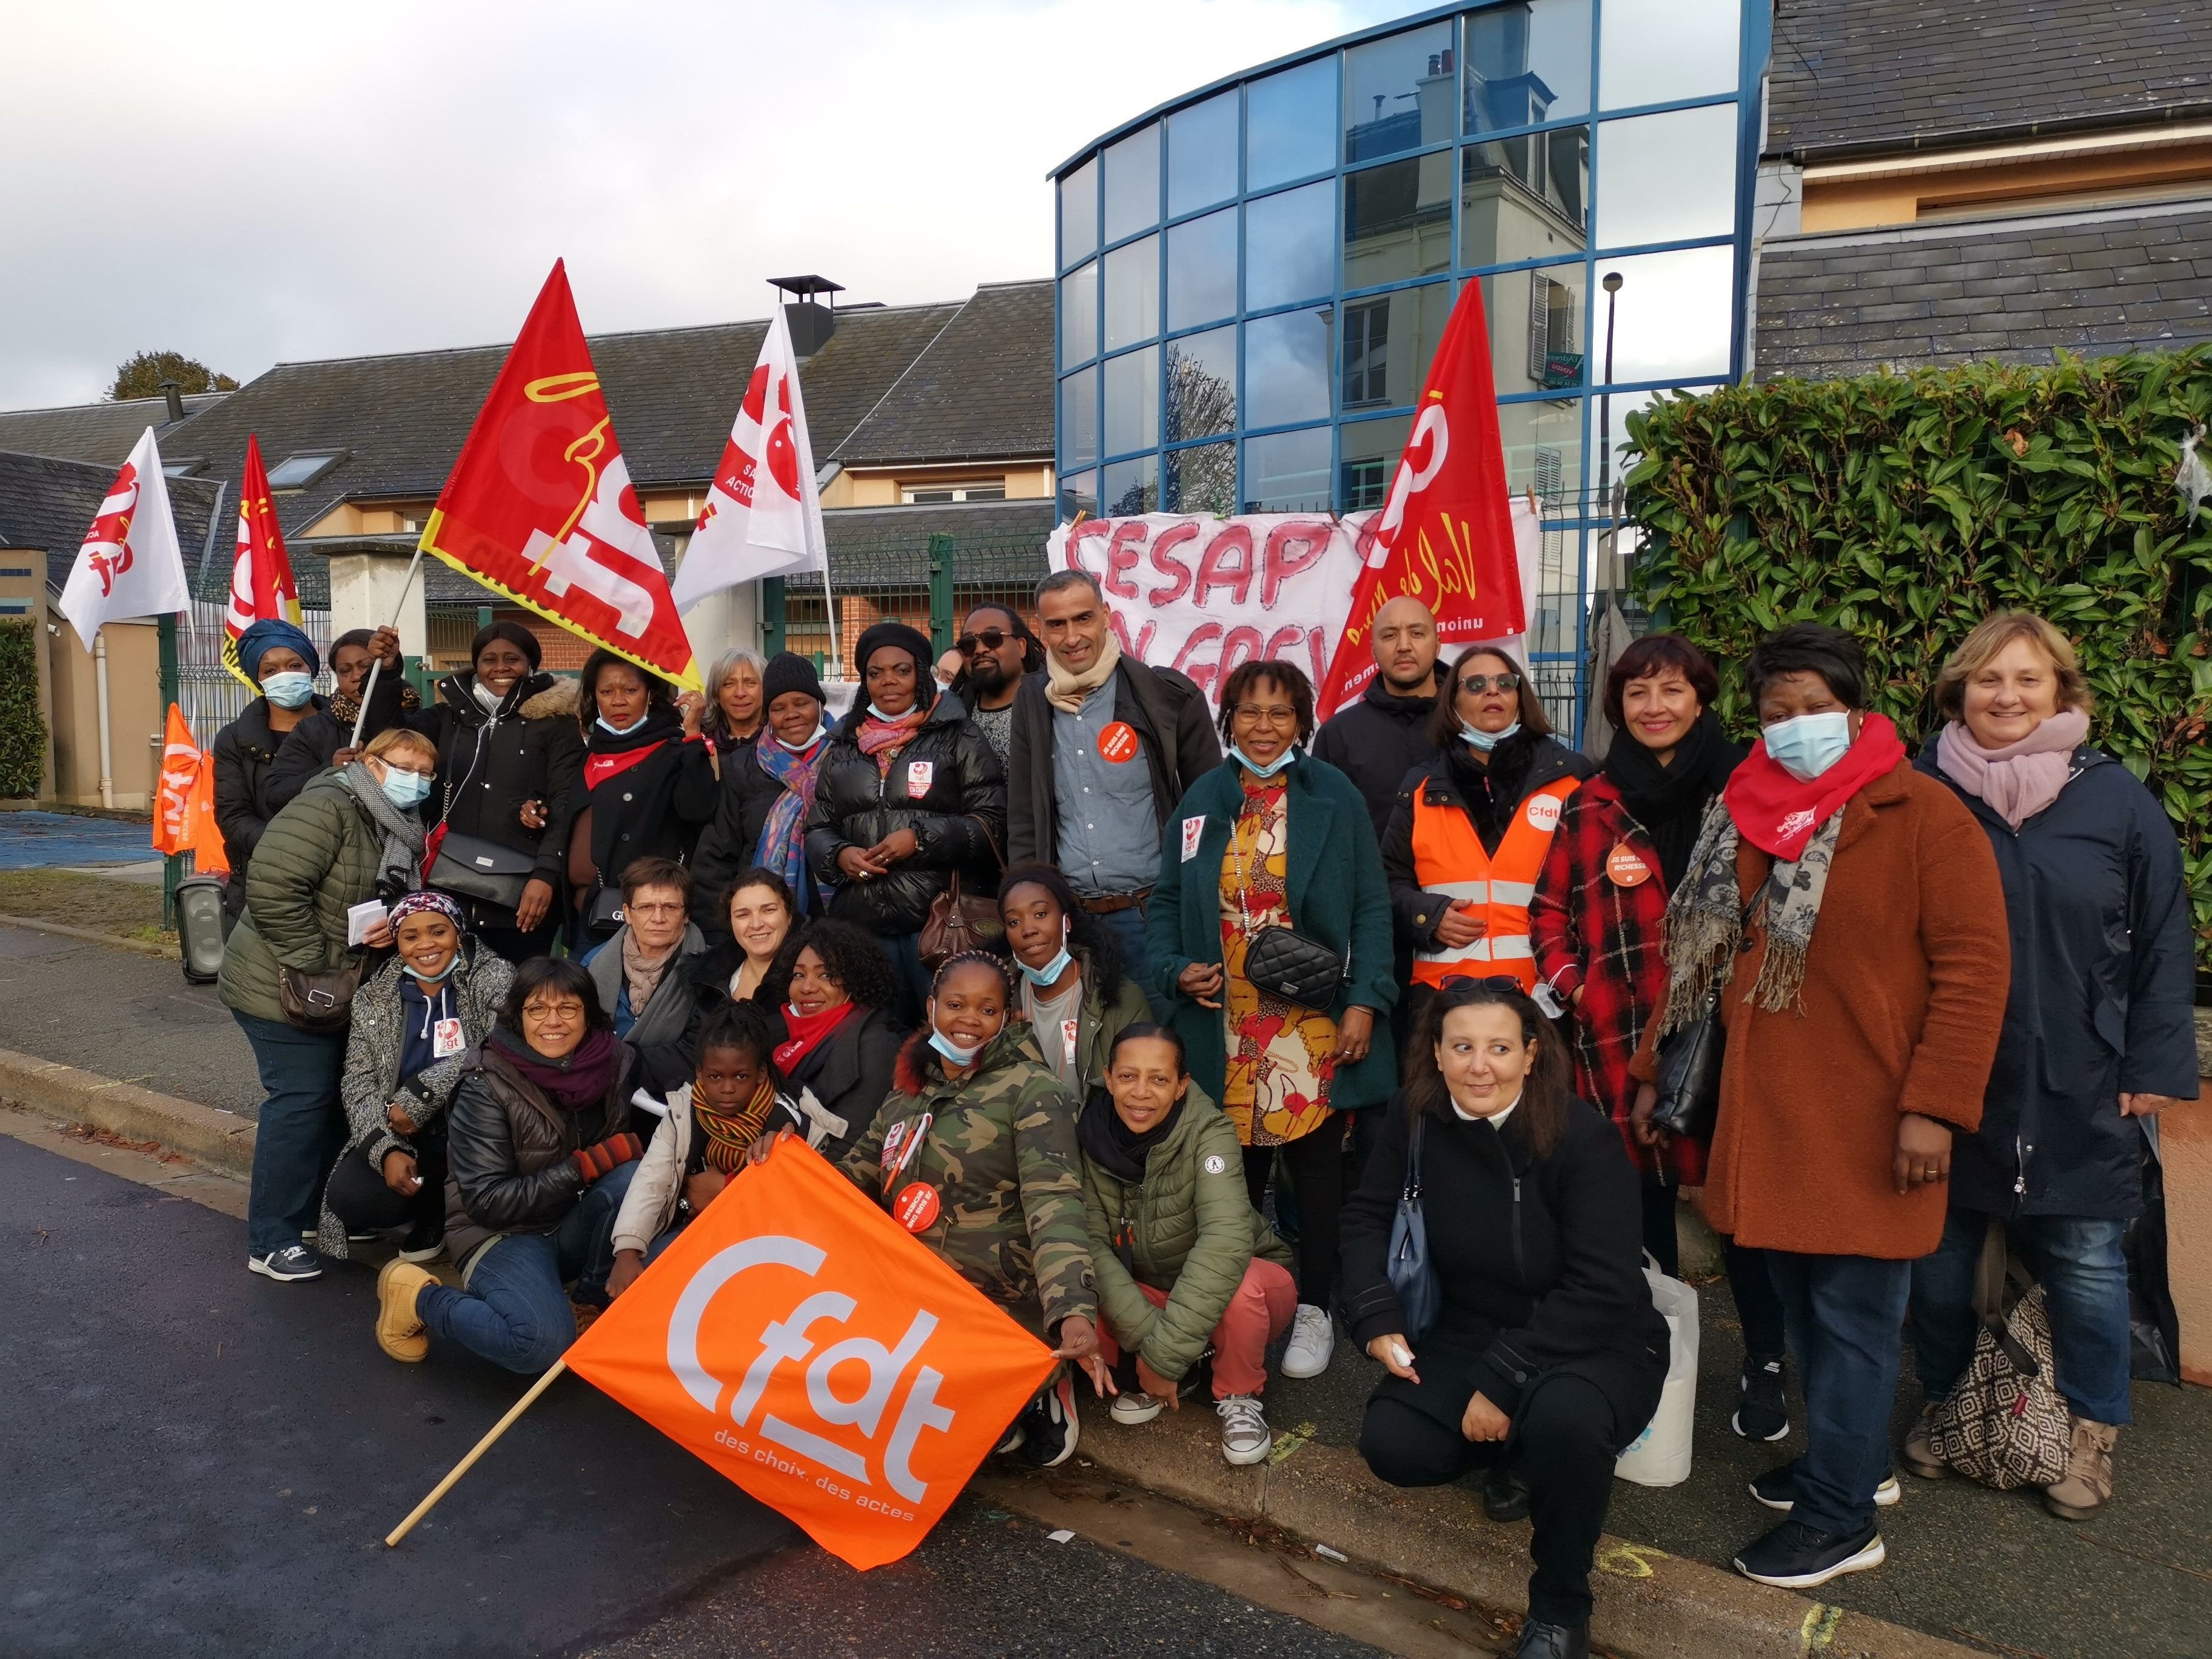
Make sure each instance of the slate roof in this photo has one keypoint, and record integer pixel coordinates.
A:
(997, 543)
(2094, 283)
(95, 432)
(49, 503)
(1907, 73)
(982, 390)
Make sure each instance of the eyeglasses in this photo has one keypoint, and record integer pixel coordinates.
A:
(1488, 982)
(1272, 715)
(989, 638)
(1479, 683)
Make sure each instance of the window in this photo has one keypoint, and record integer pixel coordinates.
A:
(1289, 123)
(943, 495)
(1657, 51)
(1202, 270)
(1202, 154)
(1079, 417)
(1132, 183)
(1552, 308)
(181, 469)
(1132, 293)
(1667, 178)
(1366, 354)
(1203, 385)
(1132, 488)
(1525, 198)
(1287, 471)
(1202, 479)
(1079, 493)
(1370, 452)
(1079, 315)
(1397, 221)
(1078, 214)
(1389, 344)
(1286, 367)
(1527, 64)
(1535, 327)
(1398, 93)
(1133, 401)
(298, 471)
(1289, 247)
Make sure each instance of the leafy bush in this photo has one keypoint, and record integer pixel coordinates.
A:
(22, 732)
(1907, 508)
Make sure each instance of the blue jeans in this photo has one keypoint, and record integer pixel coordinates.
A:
(1845, 1316)
(515, 1311)
(1127, 928)
(2077, 1261)
(300, 1133)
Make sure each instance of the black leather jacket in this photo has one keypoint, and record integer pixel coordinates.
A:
(507, 1150)
(958, 814)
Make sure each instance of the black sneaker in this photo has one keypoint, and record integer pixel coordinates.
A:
(293, 1262)
(424, 1239)
(1504, 1495)
(1795, 1556)
(1050, 1426)
(1776, 1488)
(1540, 1640)
(1760, 1412)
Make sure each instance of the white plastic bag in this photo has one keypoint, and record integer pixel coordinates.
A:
(1660, 1456)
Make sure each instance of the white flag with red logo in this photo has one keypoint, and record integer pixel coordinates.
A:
(130, 564)
(763, 514)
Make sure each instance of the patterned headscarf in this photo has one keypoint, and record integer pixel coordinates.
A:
(423, 899)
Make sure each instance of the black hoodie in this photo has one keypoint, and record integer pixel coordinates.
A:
(1375, 742)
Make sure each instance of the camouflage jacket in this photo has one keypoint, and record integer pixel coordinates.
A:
(1001, 1154)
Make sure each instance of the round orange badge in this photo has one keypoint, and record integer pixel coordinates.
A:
(1118, 742)
(1625, 866)
(916, 1206)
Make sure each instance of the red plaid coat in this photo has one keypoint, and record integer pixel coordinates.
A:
(1592, 933)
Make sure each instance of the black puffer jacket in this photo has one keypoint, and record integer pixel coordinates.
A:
(727, 849)
(1375, 742)
(311, 746)
(652, 808)
(507, 1149)
(245, 756)
(488, 766)
(958, 814)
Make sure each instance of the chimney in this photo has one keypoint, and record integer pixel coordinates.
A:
(811, 322)
(175, 394)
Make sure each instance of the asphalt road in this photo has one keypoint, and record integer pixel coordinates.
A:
(200, 1461)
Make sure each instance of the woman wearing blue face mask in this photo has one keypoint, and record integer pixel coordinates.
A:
(283, 661)
(353, 835)
(646, 788)
(413, 1020)
(1274, 838)
(1073, 990)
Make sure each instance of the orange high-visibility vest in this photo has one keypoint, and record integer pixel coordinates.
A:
(1448, 860)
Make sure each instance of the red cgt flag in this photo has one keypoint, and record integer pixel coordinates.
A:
(539, 505)
(261, 585)
(1445, 535)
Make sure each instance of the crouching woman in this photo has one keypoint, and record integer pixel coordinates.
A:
(1545, 1355)
(539, 1161)
(1182, 1258)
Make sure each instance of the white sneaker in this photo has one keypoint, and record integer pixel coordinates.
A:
(1133, 1406)
(1313, 1339)
(1245, 1436)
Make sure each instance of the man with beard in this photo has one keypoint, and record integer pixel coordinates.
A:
(1377, 741)
(995, 649)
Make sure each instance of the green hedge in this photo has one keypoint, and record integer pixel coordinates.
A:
(22, 732)
(1907, 508)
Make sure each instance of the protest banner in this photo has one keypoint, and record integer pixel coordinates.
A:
(261, 584)
(1201, 595)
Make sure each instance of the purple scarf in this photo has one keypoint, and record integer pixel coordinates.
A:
(783, 841)
(2020, 779)
(580, 1080)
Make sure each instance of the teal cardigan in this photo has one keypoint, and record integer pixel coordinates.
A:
(1338, 896)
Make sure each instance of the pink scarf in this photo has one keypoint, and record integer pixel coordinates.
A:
(2020, 779)
(881, 739)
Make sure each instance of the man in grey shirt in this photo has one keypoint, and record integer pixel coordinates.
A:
(996, 648)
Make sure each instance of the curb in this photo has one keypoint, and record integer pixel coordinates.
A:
(1651, 1604)
(144, 947)
(215, 1139)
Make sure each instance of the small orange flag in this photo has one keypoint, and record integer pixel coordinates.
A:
(806, 1345)
(183, 801)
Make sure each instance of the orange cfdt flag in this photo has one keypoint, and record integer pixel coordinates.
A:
(184, 800)
(802, 1342)
(1445, 533)
(539, 504)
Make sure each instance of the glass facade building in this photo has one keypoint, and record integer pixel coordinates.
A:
(1253, 278)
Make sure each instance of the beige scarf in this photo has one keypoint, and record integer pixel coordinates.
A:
(1065, 691)
(642, 972)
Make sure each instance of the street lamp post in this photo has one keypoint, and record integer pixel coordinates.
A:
(1613, 280)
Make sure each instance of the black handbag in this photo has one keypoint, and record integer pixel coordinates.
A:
(606, 909)
(1413, 1277)
(1689, 1069)
(1283, 962)
(475, 868)
(321, 1002)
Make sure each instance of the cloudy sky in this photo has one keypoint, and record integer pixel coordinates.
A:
(253, 183)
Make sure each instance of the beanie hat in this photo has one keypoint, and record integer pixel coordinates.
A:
(787, 671)
(903, 638)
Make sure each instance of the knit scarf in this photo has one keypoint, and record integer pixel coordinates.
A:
(643, 973)
(1112, 1145)
(2020, 779)
(580, 1079)
(1669, 800)
(1798, 823)
(783, 840)
(400, 863)
(881, 739)
(729, 1134)
(809, 1032)
(1065, 691)
(346, 709)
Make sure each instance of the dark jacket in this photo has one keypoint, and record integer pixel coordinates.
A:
(851, 1075)
(653, 808)
(488, 767)
(312, 745)
(1539, 1263)
(959, 817)
(246, 753)
(508, 1150)
(1335, 886)
(1375, 742)
(1517, 771)
(665, 1037)
(2102, 988)
(1172, 722)
(726, 847)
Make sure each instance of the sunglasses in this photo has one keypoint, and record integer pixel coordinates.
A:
(1489, 981)
(989, 638)
(1479, 683)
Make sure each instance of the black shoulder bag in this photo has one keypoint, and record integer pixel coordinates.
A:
(1689, 1079)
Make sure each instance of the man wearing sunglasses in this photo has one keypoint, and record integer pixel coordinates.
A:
(1104, 748)
(995, 649)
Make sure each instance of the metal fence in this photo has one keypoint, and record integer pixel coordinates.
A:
(209, 693)
(931, 589)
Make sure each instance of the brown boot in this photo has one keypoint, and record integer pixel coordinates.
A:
(1918, 1453)
(2087, 1486)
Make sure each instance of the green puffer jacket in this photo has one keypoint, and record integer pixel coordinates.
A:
(1188, 1228)
(317, 857)
(1000, 1150)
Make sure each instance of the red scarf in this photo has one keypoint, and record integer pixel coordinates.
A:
(1777, 813)
(881, 739)
(598, 768)
(809, 1032)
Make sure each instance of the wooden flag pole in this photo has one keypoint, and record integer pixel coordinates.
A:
(414, 566)
(392, 1539)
